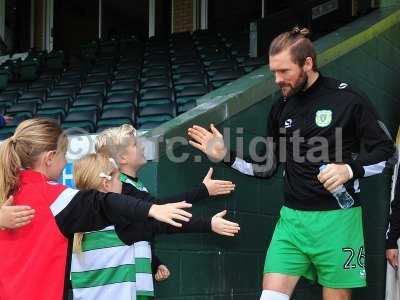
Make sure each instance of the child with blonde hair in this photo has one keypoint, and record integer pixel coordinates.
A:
(121, 143)
(36, 257)
(108, 264)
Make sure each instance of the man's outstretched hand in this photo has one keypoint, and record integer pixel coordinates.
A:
(210, 142)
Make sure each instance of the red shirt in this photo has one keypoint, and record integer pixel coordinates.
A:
(33, 258)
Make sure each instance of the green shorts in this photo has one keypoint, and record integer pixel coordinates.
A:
(327, 246)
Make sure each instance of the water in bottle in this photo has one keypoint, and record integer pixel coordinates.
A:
(343, 198)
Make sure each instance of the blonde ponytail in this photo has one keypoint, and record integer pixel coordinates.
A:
(21, 151)
(77, 245)
(9, 171)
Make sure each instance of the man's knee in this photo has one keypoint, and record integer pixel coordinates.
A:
(281, 283)
(336, 294)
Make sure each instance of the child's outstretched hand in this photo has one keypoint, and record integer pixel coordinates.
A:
(162, 273)
(223, 227)
(12, 217)
(217, 187)
(170, 212)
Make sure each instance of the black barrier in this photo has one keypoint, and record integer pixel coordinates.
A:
(321, 16)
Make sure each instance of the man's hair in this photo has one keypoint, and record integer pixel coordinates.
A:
(299, 45)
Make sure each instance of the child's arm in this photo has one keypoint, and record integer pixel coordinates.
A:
(79, 211)
(144, 231)
(197, 193)
(15, 216)
(209, 187)
(155, 261)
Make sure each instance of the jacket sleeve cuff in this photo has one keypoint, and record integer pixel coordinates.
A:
(229, 158)
(358, 170)
(391, 244)
(209, 227)
(155, 263)
(203, 191)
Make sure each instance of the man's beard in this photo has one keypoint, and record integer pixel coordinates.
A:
(299, 86)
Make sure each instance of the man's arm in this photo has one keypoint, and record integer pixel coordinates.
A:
(264, 163)
(378, 148)
(375, 139)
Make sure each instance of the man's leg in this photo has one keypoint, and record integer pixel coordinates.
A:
(336, 294)
(285, 261)
(278, 286)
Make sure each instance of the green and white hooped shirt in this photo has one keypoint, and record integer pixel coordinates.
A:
(108, 269)
(105, 269)
(144, 274)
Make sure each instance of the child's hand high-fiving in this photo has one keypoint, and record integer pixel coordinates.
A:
(223, 227)
(162, 273)
(217, 187)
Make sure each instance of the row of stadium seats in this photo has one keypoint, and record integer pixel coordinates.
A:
(127, 81)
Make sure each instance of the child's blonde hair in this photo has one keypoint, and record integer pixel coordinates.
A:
(89, 172)
(21, 151)
(114, 141)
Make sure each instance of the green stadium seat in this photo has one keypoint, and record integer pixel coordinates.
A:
(188, 96)
(41, 84)
(66, 82)
(81, 119)
(124, 85)
(188, 69)
(156, 96)
(3, 79)
(55, 60)
(93, 90)
(130, 74)
(54, 107)
(30, 96)
(22, 109)
(155, 72)
(117, 117)
(156, 113)
(8, 99)
(93, 101)
(185, 80)
(29, 69)
(55, 116)
(157, 83)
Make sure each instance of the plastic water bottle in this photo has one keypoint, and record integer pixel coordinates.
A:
(343, 198)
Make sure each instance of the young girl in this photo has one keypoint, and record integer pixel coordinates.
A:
(105, 267)
(35, 258)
